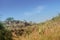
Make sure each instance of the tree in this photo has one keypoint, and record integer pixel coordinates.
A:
(10, 19)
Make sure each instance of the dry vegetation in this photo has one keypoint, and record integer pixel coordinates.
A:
(49, 30)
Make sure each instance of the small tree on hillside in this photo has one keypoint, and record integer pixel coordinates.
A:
(9, 20)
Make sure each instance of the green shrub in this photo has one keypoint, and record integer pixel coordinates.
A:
(4, 34)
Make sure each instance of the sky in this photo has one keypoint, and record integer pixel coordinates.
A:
(29, 10)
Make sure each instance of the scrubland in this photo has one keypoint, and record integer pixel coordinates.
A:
(21, 30)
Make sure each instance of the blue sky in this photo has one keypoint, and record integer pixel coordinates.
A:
(30, 10)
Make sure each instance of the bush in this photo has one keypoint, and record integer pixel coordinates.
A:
(1, 26)
(4, 34)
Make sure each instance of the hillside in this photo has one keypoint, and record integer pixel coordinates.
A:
(48, 30)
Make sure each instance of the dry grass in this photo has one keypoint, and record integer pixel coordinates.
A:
(49, 30)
